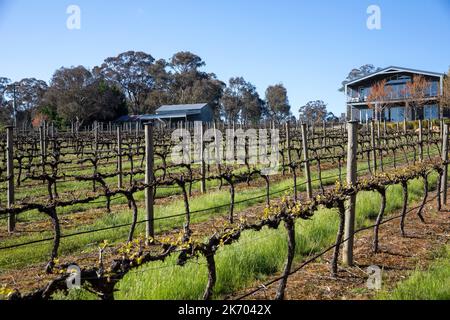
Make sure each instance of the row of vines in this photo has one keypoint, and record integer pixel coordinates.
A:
(111, 164)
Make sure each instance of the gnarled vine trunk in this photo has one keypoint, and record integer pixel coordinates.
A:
(382, 192)
(405, 207)
(290, 228)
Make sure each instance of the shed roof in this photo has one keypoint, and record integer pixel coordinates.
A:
(128, 118)
(147, 117)
(181, 107)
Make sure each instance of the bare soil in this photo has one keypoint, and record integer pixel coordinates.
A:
(398, 257)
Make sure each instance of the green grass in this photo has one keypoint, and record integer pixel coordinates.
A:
(256, 256)
(38, 253)
(239, 267)
(431, 284)
(35, 189)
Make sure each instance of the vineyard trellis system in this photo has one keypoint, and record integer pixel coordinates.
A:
(49, 159)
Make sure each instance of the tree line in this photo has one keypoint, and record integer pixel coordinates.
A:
(136, 83)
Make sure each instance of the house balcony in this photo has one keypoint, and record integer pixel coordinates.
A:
(395, 98)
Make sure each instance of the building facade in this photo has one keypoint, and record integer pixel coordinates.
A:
(398, 106)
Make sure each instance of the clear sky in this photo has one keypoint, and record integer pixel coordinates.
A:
(309, 46)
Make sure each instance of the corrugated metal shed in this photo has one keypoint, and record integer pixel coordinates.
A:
(128, 118)
(182, 107)
(183, 112)
(147, 117)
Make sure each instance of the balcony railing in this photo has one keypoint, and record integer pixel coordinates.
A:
(392, 97)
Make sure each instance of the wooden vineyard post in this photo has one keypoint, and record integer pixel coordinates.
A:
(373, 146)
(219, 148)
(306, 160)
(10, 173)
(378, 130)
(119, 159)
(150, 230)
(352, 177)
(288, 142)
(137, 130)
(420, 141)
(96, 137)
(44, 140)
(199, 127)
(42, 146)
(52, 130)
(445, 160)
(54, 139)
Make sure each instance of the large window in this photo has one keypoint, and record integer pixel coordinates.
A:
(434, 88)
(399, 79)
(431, 112)
(397, 85)
(364, 93)
(351, 93)
(397, 91)
(397, 114)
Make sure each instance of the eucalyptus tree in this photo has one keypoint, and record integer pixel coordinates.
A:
(23, 98)
(76, 95)
(313, 111)
(356, 73)
(191, 85)
(241, 102)
(131, 71)
(278, 103)
(5, 107)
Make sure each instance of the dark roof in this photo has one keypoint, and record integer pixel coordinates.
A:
(398, 69)
(167, 112)
(128, 118)
(147, 117)
(181, 107)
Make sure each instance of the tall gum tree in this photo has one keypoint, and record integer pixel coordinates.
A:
(131, 72)
(278, 103)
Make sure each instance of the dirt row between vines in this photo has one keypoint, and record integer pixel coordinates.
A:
(90, 215)
(398, 257)
(32, 277)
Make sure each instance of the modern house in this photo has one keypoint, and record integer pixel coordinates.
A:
(176, 113)
(398, 103)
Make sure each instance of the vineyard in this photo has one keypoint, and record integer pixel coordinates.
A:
(110, 203)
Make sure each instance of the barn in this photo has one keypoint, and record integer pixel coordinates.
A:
(186, 112)
(176, 113)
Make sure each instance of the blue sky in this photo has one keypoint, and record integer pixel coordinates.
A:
(309, 46)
